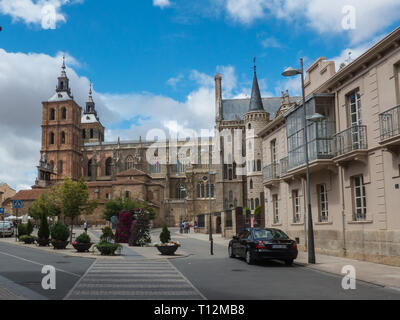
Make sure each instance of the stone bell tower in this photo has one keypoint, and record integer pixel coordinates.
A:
(61, 132)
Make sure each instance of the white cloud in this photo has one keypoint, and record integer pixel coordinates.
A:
(46, 13)
(161, 3)
(321, 15)
(174, 81)
(270, 42)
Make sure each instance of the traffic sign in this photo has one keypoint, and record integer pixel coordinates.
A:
(1, 210)
(6, 214)
(17, 204)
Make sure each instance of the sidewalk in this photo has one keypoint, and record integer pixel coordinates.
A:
(379, 274)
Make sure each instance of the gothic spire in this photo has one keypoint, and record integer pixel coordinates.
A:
(255, 101)
(90, 105)
(63, 81)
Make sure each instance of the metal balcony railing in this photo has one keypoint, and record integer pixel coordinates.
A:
(271, 172)
(390, 123)
(351, 139)
(284, 165)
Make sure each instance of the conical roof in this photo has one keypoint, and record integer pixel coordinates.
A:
(255, 101)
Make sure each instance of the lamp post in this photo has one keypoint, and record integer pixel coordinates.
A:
(290, 72)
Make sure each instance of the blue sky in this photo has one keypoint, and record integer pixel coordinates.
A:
(152, 62)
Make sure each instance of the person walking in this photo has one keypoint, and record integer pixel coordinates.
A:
(196, 227)
(85, 226)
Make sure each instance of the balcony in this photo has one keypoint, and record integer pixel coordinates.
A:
(390, 129)
(351, 145)
(271, 175)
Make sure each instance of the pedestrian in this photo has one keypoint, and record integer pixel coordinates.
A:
(185, 226)
(189, 226)
(196, 227)
(85, 226)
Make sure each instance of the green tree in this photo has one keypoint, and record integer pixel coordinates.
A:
(74, 200)
(48, 205)
(165, 235)
(114, 206)
(257, 215)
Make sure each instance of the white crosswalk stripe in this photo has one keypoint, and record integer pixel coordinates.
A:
(134, 279)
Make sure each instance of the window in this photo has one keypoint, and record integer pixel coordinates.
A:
(274, 156)
(89, 169)
(108, 196)
(251, 184)
(51, 137)
(360, 199)
(254, 165)
(234, 171)
(83, 133)
(60, 166)
(64, 114)
(91, 133)
(230, 196)
(127, 194)
(225, 171)
(228, 219)
(201, 221)
(230, 174)
(155, 168)
(202, 190)
(323, 203)
(226, 204)
(397, 80)
(180, 167)
(180, 191)
(130, 163)
(275, 202)
(52, 114)
(252, 204)
(249, 126)
(296, 206)
(259, 165)
(108, 167)
(210, 189)
(257, 203)
(235, 203)
(63, 137)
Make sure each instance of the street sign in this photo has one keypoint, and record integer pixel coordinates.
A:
(17, 204)
(6, 214)
(1, 210)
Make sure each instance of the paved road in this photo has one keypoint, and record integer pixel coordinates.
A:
(220, 277)
(20, 272)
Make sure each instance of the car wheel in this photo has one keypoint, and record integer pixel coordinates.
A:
(289, 262)
(249, 257)
(230, 251)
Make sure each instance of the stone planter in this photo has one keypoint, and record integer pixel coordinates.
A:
(29, 240)
(43, 242)
(167, 250)
(59, 245)
(82, 247)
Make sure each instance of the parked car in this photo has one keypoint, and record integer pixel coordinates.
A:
(6, 229)
(263, 244)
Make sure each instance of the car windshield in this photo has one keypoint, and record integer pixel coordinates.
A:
(270, 234)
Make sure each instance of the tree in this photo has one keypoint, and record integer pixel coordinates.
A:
(165, 235)
(48, 205)
(140, 234)
(74, 200)
(114, 207)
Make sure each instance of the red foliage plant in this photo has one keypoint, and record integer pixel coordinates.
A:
(124, 227)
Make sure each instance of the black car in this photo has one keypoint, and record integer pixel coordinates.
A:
(263, 244)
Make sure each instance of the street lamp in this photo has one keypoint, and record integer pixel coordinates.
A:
(290, 72)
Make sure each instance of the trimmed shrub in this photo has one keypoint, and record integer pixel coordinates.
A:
(27, 239)
(44, 230)
(29, 228)
(140, 233)
(59, 232)
(108, 249)
(83, 238)
(22, 230)
(165, 235)
(124, 227)
(107, 236)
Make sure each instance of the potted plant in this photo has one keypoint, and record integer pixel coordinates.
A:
(27, 239)
(83, 243)
(106, 246)
(167, 247)
(59, 236)
(43, 232)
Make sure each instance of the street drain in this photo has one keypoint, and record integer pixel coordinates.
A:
(63, 262)
(238, 270)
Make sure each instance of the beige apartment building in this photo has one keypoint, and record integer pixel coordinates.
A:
(354, 156)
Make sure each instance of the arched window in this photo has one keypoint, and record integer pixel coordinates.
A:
(225, 171)
(234, 171)
(230, 174)
(89, 168)
(257, 202)
(226, 204)
(252, 204)
(52, 114)
(91, 133)
(230, 196)
(63, 113)
(60, 166)
(180, 191)
(51, 137)
(251, 184)
(249, 126)
(258, 165)
(63, 137)
(108, 167)
(199, 190)
(130, 163)
(212, 191)
(202, 190)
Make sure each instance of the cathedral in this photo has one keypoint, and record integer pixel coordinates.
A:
(179, 188)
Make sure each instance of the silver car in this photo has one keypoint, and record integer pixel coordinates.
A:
(6, 229)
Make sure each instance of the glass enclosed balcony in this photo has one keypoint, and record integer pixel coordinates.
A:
(351, 139)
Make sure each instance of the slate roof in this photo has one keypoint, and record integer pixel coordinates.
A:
(237, 108)
(255, 100)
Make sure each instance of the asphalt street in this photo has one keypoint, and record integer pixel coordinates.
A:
(222, 278)
(20, 270)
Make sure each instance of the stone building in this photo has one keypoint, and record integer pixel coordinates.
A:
(6, 193)
(354, 158)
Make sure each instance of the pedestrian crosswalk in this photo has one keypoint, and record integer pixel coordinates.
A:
(134, 279)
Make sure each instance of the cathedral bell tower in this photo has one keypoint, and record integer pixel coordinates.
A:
(61, 132)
